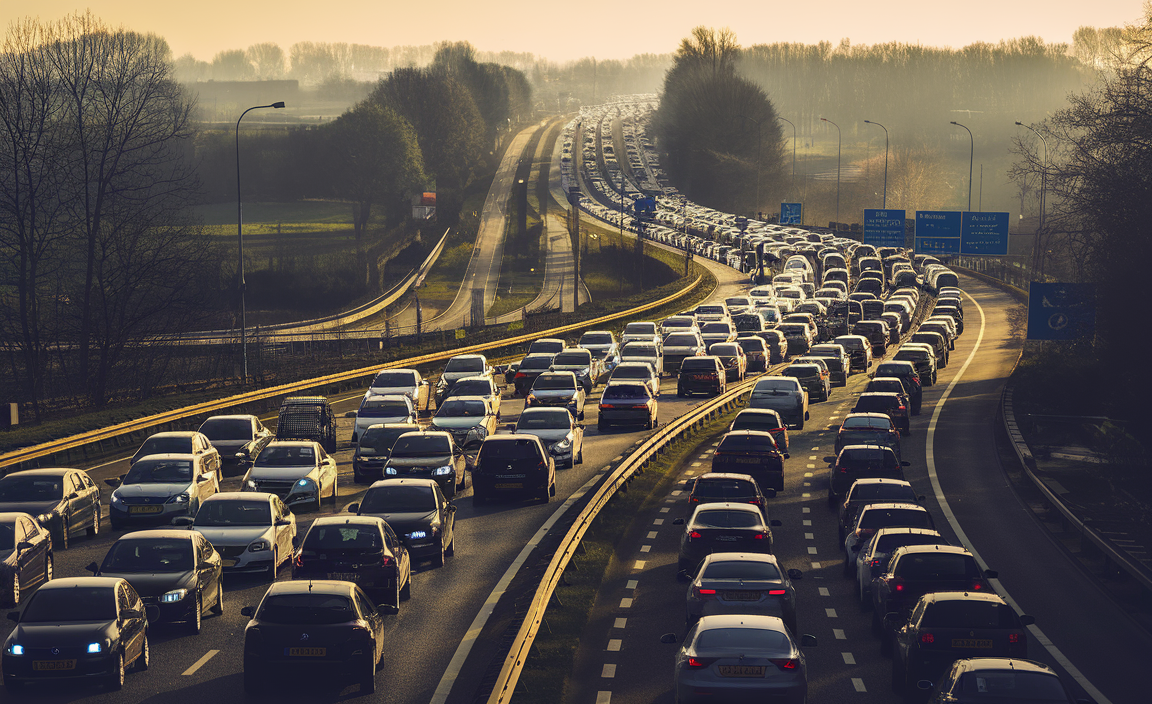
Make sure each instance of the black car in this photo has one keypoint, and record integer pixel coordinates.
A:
(81, 628)
(871, 490)
(25, 556)
(873, 557)
(905, 372)
(701, 374)
(877, 333)
(516, 464)
(628, 403)
(765, 420)
(363, 550)
(417, 511)
(312, 630)
(529, 368)
(915, 570)
(722, 487)
(893, 405)
(65, 501)
(430, 455)
(978, 680)
(177, 571)
(867, 429)
(723, 527)
(754, 453)
(373, 448)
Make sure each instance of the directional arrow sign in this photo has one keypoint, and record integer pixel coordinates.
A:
(1061, 311)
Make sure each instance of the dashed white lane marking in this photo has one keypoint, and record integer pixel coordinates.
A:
(809, 536)
(807, 522)
(807, 483)
(614, 644)
(603, 698)
(697, 464)
(620, 623)
(608, 671)
(811, 550)
(815, 449)
(805, 509)
(834, 416)
(618, 458)
(645, 548)
(677, 492)
(812, 457)
(665, 510)
(652, 534)
(824, 591)
(811, 466)
(669, 500)
(849, 658)
(838, 634)
(200, 663)
(805, 495)
(632, 584)
(856, 682)
(626, 602)
(807, 475)
(639, 565)
(830, 613)
(658, 522)
(815, 565)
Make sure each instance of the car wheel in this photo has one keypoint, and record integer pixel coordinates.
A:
(580, 456)
(144, 659)
(15, 600)
(406, 591)
(368, 684)
(197, 616)
(252, 683)
(218, 607)
(272, 570)
(116, 679)
(94, 529)
(898, 675)
(800, 425)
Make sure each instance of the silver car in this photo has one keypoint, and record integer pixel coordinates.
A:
(637, 371)
(459, 367)
(643, 352)
(640, 332)
(558, 389)
(408, 382)
(469, 419)
(252, 531)
(743, 583)
(559, 432)
(375, 410)
(783, 395)
(728, 658)
(299, 472)
(159, 488)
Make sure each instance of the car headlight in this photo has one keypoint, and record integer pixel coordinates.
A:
(16, 649)
(442, 471)
(304, 486)
(584, 372)
(256, 546)
(250, 485)
(94, 648)
(478, 431)
(116, 500)
(417, 534)
(563, 446)
(390, 470)
(168, 598)
(178, 499)
(442, 384)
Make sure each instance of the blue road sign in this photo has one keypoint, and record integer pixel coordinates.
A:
(883, 228)
(791, 213)
(1061, 311)
(984, 233)
(937, 232)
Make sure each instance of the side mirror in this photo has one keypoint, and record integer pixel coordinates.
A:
(677, 521)
(668, 638)
(795, 574)
(775, 522)
(14, 616)
(186, 521)
(808, 641)
(92, 567)
(354, 507)
(1026, 620)
(683, 576)
(905, 463)
(248, 612)
(991, 574)
(388, 609)
(350, 414)
(241, 455)
(924, 685)
(131, 613)
(23, 545)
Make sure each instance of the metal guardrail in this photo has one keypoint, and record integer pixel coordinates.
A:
(48, 449)
(655, 444)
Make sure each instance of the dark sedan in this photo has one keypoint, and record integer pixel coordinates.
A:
(905, 372)
(979, 680)
(64, 501)
(893, 405)
(867, 429)
(25, 556)
(627, 403)
(417, 511)
(723, 527)
(238, 438)
(373, 448)
(429, 455)
(363, 550)
(526, 372)
(305, 629)
(516, 464)
(754, 453)
(178, 571)
(82, 628)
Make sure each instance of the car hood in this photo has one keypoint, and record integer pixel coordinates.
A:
(155, 583)
(408, 391)
(553, 393)
(548, 435)
(51, 635)
(234, 535)
(259, 473)
(420, 461)
(128, 491)
(404, 522)
(35, 508)
(228, 448)
(457, 423)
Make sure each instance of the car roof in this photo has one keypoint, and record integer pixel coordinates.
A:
(477, 377)
(291, 443)
(891, 505)
(347, 519)
(239, 496)
(168, 456)
(174, 434)
(404, 481)
(743, 557)
(9, 516)
(771, 623)
(1007, 664)
(987, 597)
(728, 506)
(170, 533)
(885, 394)
(46, 472)
(951, 549)
(238, 416)
(726, 476)
(877, 480)
(439, 433)
(74, 582)
(311, 586)
(904, 530)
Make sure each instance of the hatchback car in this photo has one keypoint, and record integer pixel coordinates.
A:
(513, 464)
(783, 395)
(756, 353)
(836, 357)
(859, 351)
(159, 488)
(765, 420)
(300, 472)
(754, 453)
(417, 512)
(742, 583)
(723, 527)
(867, 429)
(429, 455)
(643, 353)
(252, 531)
(558, 389)
(724, 487)
(180, 443)
(362, 549)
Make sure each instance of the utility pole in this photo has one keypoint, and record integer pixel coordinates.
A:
(971, 158)
(870, 122)
(792, 192)
(839, 142)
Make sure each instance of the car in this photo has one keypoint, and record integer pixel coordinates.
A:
(712, 312)
(895, 326)
(893, 385)
(756, 353)
(482, 386)
(468, 419)
(937, 342)
(307, 418)
(836, 357)
(637, 371)
(513, 464)
(363, 549)
(722, 487)
(176, 571)
(429, 454)
(643, 352)
(872, 559)
(603, 346)
(25, 557)
(78, 628)
(870, 490)
(738, 304)
(783, 395)
(859, 351)
(906, 372)
(765, 420)
(949, 625)
(751, 452)
(680, 346)
(798, 335)
(807, 318)
(547, 345)
(977, 680)
(528, 369)
(254, 532)
(300, 472)
(238, 438)
(581, 362)
(742, 583)
(344, 629)
(678, 323)
(460, 367)
(159, 488)
(704, 373)
(557, 429)
(732, 359)
(64, 501)
(406, 382)
(777, 345)
(719, 331)
(559, 389)
(867, 429)
(726, 527)
(627, 403)
(923, 357)
(940, 327)
(641, 332)
(373, 448)
(730, 657)
(812, 378)
(374, 410)
(894, 405)
(878, 515)
(179, 443)
(418, 513)
(876, 331)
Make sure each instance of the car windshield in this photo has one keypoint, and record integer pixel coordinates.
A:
(421, 445)
(681, 340)
(631, 372)
(1012, 686)
(770, 385)
(459, 408)
(306, 609)
(394, 379)
(725, 350)
(887, 491)
(234, 513)
(639, 349)
(888, 543)
(137, 555)
(866, 423)
(960, 613)
(16, 488)
(723, 328)
(625, 391)
(383, 408)
(698, 364)
(595, 338)
(677, 323)
(381, 440)
(744, 640)
(554, 382)
(735, 569)
(572, 359)
(464, 364)
(344, 535)
(542, 362)
(875, 404)
(895, 517)
(544, 419)
(640, 329)
(723, 489)
(508, 449)
(472, 387)
(399, 499)
(286, 456)
(227, 429)
(71, 604)
(727, 519)
(159, 472)
(166, 445)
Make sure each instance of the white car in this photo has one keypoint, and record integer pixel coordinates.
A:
(408, 382)
(159, 488)
(252, 531)
(389, 408)
(648, 352)
(637, 372)
(640, 332)
(300, 472)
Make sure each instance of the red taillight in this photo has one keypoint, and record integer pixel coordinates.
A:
(777, 592)
(694, 535)
(606, 405)
(760, 536)
(875, 563)
(297, 560)
(697, 663)
(977, 587)
(927, 638)
(705, 592)
(386, 560)
(755, 501)
(520, 375)
(694, 500)
(843, 470)
(900, 408)
(1014, 638)
(641, 407)
(786, 663)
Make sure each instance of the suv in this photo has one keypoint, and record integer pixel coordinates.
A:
(514, 464)
(876, 331)
(922, 357)
(859, 351)
(868, 429)
(701, 374)
(720, 487)
(680, 346)
(428, 455)
(307, 418)
(811, 377)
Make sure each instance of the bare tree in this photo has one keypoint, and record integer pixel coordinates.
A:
(267, 60)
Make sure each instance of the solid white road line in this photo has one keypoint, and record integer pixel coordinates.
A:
(946, 509)
(200, 663)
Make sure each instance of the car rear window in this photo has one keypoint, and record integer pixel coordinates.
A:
(343, 536)
(421, 445)
(723, 489)
(699, 365)
(1012, 686)
(306, 609)
(625, 391)
(716, 327)
(875, 404)
(891, 517)
(973, 614)
(744, 640)
(639, 349)
(596, 338)
(572, 359)
(802, 370)
(866, 423)
(554, 382)
(747, 442)
(383, 408)
(512, 449)
(536, 363)
(736, 569)
(464, 364)
(681, 340)
(459, 408)
(881, 492)
(393, 379)
(227, 429)
(727, 519)
(752, 344)
(724, 350)
(888, 543)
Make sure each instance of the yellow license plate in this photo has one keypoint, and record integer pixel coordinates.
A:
(971, 642)
(307, 652)
(52, 665)
(145, 509)
(510, 485)
(228, 562)
(741, 670)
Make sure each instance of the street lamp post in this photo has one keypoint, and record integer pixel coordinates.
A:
(971, 158)
(870, 122)
(240, 239)
(1037, 256)
(792, 192)
(839, 141)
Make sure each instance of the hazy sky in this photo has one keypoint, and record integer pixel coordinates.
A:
(567, 30)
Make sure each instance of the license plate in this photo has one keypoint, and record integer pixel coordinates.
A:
(306, 652)
(747, 460)
(742, 596)
(53, 665)
(145, 509)
(509, 485)
(726, 538)
(971, 642)
(344, 576)
(228, 563)
(741, 670)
